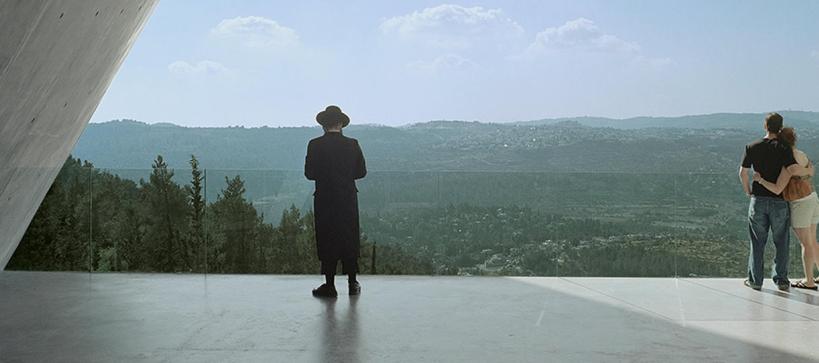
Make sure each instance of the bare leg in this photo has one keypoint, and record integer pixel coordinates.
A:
(815, 250)
(808, 241)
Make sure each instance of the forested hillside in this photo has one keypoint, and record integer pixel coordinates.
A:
(91, 220)
(708, 143)
(554, 197)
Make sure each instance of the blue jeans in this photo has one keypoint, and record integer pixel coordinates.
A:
(767, 213)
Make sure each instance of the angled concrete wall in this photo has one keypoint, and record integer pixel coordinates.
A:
(57, 58)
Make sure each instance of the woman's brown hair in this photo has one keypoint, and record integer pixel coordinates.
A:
(788, 136)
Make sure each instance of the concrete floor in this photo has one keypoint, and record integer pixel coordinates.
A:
(76, 317)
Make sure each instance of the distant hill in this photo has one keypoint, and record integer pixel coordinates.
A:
(797, 119)
(702, 143)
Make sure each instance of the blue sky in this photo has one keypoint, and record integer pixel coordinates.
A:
(277, 63)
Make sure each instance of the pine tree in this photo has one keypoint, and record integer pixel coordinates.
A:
(237, 229)
(196, 203)
(166, 208)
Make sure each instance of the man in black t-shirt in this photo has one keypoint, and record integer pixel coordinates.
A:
(768, 211)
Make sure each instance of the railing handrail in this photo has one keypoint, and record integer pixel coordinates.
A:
(453, 171)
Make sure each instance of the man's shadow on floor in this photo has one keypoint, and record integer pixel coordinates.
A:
(340, 337)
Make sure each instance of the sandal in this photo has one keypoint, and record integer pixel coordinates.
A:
(801, 285)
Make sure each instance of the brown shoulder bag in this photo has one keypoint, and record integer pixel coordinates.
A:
(798, 187)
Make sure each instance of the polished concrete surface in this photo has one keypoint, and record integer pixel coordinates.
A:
(57, 58)
(76, 317)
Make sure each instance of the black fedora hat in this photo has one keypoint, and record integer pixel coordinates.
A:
(331, 115)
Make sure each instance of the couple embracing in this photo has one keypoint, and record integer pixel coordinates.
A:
(782, 196)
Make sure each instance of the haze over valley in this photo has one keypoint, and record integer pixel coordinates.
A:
(702, 143)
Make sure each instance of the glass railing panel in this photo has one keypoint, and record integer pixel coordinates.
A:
(394, 191)
(447, 223)
(399, 212)
(259, 221)
(115, 221)
(502, 222)
(58, 237)
(709, 226)
(593, 224)
(144, 221)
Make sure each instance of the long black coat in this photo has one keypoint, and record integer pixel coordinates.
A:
(334, 162)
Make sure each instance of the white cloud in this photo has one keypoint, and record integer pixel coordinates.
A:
(452, 26)
(444, 63)
(256, 32)
(581, 34)
(201, 67)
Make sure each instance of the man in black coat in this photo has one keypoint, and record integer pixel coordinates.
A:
(334, 162)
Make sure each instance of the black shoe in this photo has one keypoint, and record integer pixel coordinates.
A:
(325, 291)
(355, 288)
(748, 283)
(785, 286)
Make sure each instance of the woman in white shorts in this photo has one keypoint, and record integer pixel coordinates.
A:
(804, 211)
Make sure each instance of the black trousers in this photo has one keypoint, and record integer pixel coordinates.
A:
(348, 266)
